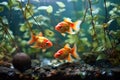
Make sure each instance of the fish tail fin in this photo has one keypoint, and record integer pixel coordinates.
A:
(32, 40)
(76, 25)
(74, 52)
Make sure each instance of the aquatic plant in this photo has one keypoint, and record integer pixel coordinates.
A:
(99, 31)
(8, 44)
(95, 34)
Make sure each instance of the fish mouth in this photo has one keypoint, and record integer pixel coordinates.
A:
(56, 28)
(55, 56)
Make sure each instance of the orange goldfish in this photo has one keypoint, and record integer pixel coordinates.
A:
(66, 52)
(67, 26)
(40, 41)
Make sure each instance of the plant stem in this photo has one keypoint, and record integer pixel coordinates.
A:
(74, 7)
(34, 18)
(30, 28)
(83, 19)
(93, 24)
(84, 16)
(105, 21)
(92, 21)
(4, 26)
(106, 12)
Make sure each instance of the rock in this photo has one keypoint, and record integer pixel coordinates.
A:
(21, 62)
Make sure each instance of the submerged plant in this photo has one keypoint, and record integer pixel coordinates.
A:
(93, 34)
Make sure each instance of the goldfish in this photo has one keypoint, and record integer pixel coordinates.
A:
(66, 53)
(40, 42)
(67, 26)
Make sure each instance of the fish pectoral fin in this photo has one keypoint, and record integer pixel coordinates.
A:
(34, 46)
(43, 50)
(63, 34)
(70, 31)
(69, 58)
(61, 61)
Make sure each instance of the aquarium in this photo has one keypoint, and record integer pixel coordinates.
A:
(59, 39)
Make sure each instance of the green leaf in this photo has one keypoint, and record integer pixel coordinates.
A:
(85, 42)
(60, 4)
(23, 43)
(118, 47)
(26, 34)
(1, 55)
(95, 44)
(95, 2)
(108, 4)
(42, 8)
(108, 43)
(49, 9)
(12, 3)
(81, 48)
(4, 3)
(101, 56)
(1, 8)
(29, 10)
(25, 26)
(105, 25)
(73, 38)
(13, 50)
(61, 10)
(118, 21)
(73, 0)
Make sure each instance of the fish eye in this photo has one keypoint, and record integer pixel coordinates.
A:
(58, 55)
(60, 27)
(60, 52)
(47, 43)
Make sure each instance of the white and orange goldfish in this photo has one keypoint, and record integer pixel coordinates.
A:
(40, 41)
(66, 53)
(67, 26)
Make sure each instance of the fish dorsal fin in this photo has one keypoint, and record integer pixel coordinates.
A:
(40, 34)
(67, 46)
(33, 39)
(74, 52)
(68, 20)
